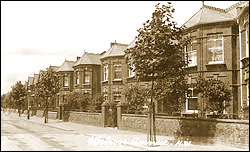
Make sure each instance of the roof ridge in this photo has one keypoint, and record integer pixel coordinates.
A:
(191, 17)
(215, 8)
(234, 6)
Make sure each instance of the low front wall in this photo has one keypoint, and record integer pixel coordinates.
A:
(40, 113)
(83, 118)
(225, 131)
(52, 115)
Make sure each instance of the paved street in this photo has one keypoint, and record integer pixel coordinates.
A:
(18, 133)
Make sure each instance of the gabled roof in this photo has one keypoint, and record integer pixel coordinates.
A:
(36, 78)
(209, 14)
(30, 81)
(116, 49)
(89, 58)
(66, 66)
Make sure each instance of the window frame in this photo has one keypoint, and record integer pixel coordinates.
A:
(105, 73)
(131, 73)
(64, 80)
(214, 47)
(191, 52)
(87, 73)
(247, 43)
(117, 71)
(191, 97)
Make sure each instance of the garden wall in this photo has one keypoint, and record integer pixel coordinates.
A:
(83, 118)
(224, 131)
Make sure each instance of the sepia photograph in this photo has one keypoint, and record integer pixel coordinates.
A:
(124, 75)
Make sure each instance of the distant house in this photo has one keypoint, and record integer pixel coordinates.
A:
(87, 74)
(213, 53)
(65, 73)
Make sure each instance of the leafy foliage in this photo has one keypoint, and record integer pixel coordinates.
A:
(137, 97)
(48, 85)
(171, 92)
(18, 94)
(77, 100)
(217, 93)
(158, 55)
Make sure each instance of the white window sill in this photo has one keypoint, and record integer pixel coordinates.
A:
(190, 111)
(105, 81)
(192, 65)
(117, 80)
(214, 63)
(131, 77)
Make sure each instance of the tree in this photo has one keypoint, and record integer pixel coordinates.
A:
(158, 52)
(77, 100)
(137, 97)
(18, 93)
(94, 103)
(48, 86)
(217, 94)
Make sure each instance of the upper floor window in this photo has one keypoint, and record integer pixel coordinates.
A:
(117, 71)
(131, 72)
(87, 77)
(105, 73)
(191, 51)
(66, 81)
(77, 77)
(215, 48)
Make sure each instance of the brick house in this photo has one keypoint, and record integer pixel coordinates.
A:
(243, 21)
(65, 75)
(87, 74)
(114, 73)
(213, 53)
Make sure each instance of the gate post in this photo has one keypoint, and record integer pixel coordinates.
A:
(105, 115)
(120, 109)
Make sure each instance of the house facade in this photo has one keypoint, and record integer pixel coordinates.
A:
(114, 73)
(87, 74)
(213, 53)
(243, 21)
(65, 76)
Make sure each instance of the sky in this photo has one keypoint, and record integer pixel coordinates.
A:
(37, 34)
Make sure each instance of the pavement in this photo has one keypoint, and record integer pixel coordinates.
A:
(112, 136)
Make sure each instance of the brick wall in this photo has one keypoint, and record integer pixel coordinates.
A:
(83, 118)
(230, 132)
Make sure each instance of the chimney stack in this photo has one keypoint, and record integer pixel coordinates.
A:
(202, 3)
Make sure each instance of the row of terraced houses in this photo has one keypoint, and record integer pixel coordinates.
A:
(219, 49)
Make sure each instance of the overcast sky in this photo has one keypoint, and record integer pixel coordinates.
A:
(37, 34)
